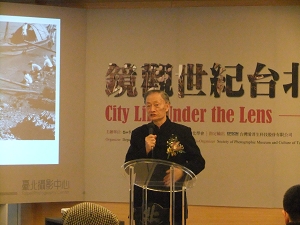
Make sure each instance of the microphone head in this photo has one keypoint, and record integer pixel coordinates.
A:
(150, 128)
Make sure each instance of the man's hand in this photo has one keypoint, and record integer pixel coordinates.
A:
(178, 173)
(150, 142)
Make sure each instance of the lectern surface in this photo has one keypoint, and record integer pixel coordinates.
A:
(149, 173)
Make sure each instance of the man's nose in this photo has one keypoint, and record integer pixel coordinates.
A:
(152, 108)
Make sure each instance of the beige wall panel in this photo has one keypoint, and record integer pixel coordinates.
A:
(247, 175)
(72, 88)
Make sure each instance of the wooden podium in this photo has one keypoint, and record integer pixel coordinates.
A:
(148, 174)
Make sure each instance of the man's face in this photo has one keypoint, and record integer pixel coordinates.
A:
(157, 108)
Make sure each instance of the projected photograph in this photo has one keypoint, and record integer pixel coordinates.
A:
(29, 82)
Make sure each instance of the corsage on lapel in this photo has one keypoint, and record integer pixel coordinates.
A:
(174, 146)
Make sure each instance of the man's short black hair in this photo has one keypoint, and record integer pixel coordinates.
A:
(291, 202)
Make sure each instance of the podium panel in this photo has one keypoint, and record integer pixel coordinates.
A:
(149, 174)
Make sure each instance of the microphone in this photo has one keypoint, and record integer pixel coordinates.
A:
(151, 131)
(150, 128)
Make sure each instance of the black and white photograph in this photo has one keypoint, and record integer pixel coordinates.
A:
(29, 78)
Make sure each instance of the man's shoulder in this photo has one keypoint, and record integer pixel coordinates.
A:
(180, 126)
(140, 128)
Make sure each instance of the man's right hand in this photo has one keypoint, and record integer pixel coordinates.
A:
(150, 142)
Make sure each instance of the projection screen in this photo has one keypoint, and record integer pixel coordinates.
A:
(29, 85)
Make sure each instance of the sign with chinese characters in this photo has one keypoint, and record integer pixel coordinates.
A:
(121, 81)
(45, 187)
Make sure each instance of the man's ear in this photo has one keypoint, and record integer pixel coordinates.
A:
(167, 107)
(286, 216)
